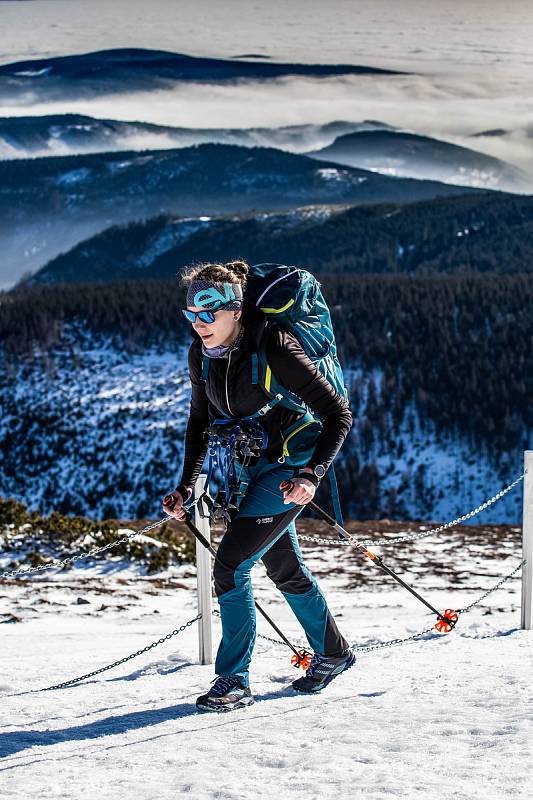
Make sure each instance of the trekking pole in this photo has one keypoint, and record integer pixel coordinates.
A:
(301, 658)
(445, 622)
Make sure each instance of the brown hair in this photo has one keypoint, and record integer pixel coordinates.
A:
(231, 271)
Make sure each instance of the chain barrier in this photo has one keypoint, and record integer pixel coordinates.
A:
(94, 551)
(413, 537)
(359, 648)
(489, 591)
(215, 612)
(392, 642)
(110, 666)
(320, 540)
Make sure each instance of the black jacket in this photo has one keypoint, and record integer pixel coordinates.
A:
(229, 389)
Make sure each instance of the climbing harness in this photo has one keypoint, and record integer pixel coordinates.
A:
(231, 442)
(445, 622)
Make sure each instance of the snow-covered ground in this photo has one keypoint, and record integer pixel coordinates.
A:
(442, 717)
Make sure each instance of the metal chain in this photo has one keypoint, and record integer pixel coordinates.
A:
(216, 613)
(351, 540)
(358, 648)
(114, 664)
(500, 583)
(392, 642)
(94, 551)
(413, 537)
(338, 542)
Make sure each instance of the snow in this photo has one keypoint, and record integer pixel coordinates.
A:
(173, 234)
(446, 716)
(125, 415)
(73, 176)
(339, 175)
(288, 219)
(33, 73)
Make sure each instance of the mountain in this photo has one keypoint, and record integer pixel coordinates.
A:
(93, 424)
(71, 134)
(392, 152)
(488, 232)
(48, 205)
(134, 69)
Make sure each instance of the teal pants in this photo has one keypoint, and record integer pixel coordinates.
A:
(254, 533)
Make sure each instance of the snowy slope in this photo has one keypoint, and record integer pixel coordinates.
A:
(117, 422)
(98, 432)
(443, 717)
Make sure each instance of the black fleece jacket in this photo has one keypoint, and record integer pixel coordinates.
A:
(229, 389)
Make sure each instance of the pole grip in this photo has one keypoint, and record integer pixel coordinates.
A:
(170, 501)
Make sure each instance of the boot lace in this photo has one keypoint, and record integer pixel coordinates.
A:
(223, 683)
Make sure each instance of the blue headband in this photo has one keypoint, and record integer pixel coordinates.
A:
(205, 294)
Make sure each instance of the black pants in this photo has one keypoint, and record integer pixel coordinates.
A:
(248, 538)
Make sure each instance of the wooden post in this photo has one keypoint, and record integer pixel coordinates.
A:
(203, 571)
(527, 542)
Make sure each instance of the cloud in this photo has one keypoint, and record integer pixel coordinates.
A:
(449, 107)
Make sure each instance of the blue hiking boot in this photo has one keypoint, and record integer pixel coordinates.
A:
(322, 670)
(226, 694)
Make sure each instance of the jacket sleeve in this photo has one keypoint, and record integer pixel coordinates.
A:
(196, 440)
(295, 370)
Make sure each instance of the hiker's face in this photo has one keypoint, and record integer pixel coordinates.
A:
(220, 332)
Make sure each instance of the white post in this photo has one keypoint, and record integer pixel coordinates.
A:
(203, 571)
(527, 542)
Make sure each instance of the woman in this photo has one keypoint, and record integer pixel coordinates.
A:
(228, 336)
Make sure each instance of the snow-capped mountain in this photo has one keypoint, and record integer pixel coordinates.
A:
(403, 154)
(74, 134)
(442, 235)
(47, 205)
(369, 145)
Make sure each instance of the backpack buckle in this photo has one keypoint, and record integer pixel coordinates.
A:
(268, 406)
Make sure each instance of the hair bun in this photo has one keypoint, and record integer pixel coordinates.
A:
(239, 268)
(231, 271)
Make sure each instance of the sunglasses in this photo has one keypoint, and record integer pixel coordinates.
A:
(206, 316)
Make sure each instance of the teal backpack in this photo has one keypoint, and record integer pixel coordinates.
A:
(291, 297)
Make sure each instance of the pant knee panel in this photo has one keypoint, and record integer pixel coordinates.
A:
(284, 568)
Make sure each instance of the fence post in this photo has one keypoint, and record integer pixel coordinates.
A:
(527, 541)
(203, 571)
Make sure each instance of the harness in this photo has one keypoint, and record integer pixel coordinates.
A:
(263, 376)
(288, 400)
(232, 441)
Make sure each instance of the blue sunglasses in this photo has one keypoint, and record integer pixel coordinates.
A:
(206, 316)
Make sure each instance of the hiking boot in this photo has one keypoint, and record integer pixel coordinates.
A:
(322, 670)
(226, 694)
